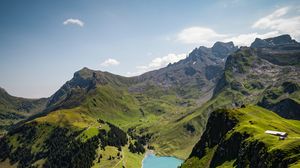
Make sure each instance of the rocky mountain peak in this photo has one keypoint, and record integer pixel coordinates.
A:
(2, 90)
(85, 73)
(218, 50)
(221, 49)
(198, 53)
(274, 41)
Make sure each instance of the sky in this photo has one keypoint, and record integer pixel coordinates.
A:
(43, 42)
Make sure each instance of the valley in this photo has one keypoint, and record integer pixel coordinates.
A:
(210, 109)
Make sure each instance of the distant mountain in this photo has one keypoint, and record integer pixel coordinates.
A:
(193, 76)
(146, 108)
(281, 50)
(73, 92)
(14, 109)
(105, 119)
(189, 78)
(265, 74)
(283, 40)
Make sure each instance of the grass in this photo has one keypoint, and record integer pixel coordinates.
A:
(196, 162)
(263, 120)
(76, 118)
(254, 121)
(15, 109)
(155, 113)
(132, 160)
(127, 159)
(88, 133)
(106, 154)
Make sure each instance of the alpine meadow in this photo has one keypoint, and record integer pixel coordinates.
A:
(150, 84)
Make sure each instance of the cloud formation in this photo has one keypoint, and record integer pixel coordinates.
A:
(276, 21)
(247, 39)
(110, 62)
(74, 22)
(199, 35)
(157, 63)
(281, 21)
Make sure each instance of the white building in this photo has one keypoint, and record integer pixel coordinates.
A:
(276, 133)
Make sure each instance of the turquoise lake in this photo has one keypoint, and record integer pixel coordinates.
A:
(152, 161)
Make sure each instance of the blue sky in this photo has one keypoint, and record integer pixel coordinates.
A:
(44, 42)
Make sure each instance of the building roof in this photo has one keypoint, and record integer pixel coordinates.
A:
(278, 133)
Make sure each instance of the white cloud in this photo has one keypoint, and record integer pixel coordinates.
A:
(285, 20)
(157, 63)
(278, 22)
(207, 36)
(267, 21)
(247, 39)
(74, 21)
(199, 35)
(110, 62)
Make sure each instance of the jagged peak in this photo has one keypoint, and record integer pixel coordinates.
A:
(84, 73)
(284, 39)
(2, 90)
(229, 44)
(222, 49)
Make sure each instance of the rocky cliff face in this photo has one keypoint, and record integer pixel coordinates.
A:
(281, 50)
(189, 78)
(198, 73)
(267, 74)
(218, 124)
(264, 75)
(287, 108)
(136, 103)
(283, 40)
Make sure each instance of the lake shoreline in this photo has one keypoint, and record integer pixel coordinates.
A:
(152, 152)
(148, 152)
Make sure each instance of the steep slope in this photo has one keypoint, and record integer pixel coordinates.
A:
(147, 109)
(266, 74)
(236, 138)
(154, 100)
(197, 73)
(281, 50)
(14, 109)
(74, 91)
(252, 76)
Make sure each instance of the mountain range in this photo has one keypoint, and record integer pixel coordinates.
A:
(196, 109)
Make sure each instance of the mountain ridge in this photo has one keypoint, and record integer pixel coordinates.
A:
(166, 109)
(253, 78)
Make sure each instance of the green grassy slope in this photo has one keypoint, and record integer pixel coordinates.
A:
(248, 134)
(154, 115)
(152, 105)
(166, 107)
(80, 131)
(14, 109)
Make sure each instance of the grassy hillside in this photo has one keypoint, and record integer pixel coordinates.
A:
(156, 115)
(14, 109)
(149, 108)
(108, 120)
(71, 134)
(151, 118)
(244, 142)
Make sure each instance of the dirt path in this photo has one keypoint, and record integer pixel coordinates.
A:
(122, 160)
